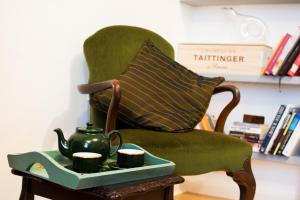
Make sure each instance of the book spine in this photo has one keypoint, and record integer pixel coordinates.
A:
(293, 143)
(247, 129)
(251, 140)
(289, 134)
(287, 113)
(239, 135)
(276, 54)
(211, 121)
(283, 134)
(285, 51)
(253, 137)
(247, 124)
(290, 59)
(205, 123)
(266, 143)
(295, 67)
(280, 133)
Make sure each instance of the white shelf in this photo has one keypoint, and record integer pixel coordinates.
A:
(294, 160)
(235, 2)
(285, 80)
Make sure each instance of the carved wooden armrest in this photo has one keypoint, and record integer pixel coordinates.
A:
(115, 99)
(229, 107)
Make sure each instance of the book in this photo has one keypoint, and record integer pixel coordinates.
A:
(266, 145)
(250, 137)
(212, 121)
(290, 59)
(253, 137)
(294, 142)
(295, 67)
(284, 133)
(285, 51)
(280, 133)
(255, 145)
(276, 53)
(254, 119)
(250, 132)
(292, 109)
(206, 124)
(245, 127)
(289, 134)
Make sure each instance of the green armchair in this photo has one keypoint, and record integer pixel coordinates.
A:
(108, 53)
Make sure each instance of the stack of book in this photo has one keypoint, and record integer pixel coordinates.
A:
(251, 132)
(283, 137)
(285, 59)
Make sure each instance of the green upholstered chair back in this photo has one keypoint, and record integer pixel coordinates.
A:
(109, 51)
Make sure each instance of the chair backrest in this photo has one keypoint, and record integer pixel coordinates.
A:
(109, 51)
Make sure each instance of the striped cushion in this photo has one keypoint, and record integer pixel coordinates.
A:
(159, 93)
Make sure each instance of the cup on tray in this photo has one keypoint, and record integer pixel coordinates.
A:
(128, 158)
(86, 162)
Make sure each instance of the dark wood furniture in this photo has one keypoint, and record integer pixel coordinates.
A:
(153, 189)
(108, 53)
(243, 177)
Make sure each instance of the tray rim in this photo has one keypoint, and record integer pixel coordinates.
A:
(54, 169)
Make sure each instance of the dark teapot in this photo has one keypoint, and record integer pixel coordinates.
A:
(87, 139)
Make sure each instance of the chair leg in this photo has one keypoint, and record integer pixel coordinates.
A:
(246, 181)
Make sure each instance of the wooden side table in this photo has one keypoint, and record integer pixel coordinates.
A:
(152, 189)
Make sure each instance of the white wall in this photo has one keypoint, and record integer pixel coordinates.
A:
(41, 62)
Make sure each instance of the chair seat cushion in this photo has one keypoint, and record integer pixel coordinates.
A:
(159, 93)
(194, 152)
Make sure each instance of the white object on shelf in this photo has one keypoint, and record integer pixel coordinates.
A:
(251, 29)
(224, 58)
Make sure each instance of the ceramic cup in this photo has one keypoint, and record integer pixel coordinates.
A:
(86, 162)
(128, 158)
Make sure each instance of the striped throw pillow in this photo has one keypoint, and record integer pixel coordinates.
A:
(159, 93)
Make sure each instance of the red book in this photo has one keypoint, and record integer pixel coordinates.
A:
(295, 67)
(277, 52)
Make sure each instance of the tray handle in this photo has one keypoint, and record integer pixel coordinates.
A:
(42, 165)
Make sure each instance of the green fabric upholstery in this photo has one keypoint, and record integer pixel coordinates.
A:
(194, 152)
(109, 51)
(159, 93)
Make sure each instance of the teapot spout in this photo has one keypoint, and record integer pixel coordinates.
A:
(63, 145)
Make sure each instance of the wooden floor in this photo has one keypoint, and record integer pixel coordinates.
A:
(191, 196)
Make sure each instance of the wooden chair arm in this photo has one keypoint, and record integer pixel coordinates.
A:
(229, 107)
(112, 112)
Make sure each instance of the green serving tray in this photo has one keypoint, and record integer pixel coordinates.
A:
(54, 167)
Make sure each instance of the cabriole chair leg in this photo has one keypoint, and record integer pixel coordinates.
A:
(246, 181)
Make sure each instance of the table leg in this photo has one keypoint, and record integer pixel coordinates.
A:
(169, 193)
(26, 193)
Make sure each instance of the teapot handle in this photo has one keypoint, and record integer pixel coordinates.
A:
(110, 134)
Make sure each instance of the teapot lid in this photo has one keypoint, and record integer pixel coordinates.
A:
(89, 129)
